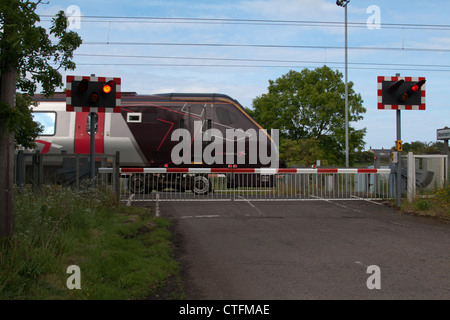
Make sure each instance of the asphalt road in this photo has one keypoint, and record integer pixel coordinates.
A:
(308, 250)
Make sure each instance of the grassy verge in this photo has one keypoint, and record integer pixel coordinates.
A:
(435, 204)
(122, 252)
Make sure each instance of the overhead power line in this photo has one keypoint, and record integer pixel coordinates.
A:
(123, 43)
(257, 60)
(412, 68)
(300, 23)
(293, 64)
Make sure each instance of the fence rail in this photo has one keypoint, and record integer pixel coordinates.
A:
(213, 184)
(207, 184)
(65, 169)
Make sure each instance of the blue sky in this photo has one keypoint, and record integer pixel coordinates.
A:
(135, 40)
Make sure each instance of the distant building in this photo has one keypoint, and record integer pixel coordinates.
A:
(381, 152)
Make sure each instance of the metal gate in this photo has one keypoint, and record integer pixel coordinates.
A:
(262, 184)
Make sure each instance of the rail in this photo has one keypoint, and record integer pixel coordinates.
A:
(241, 184)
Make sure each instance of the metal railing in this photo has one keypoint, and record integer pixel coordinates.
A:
(210, 184)
(37, 169)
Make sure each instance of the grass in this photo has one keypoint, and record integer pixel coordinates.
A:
(122, 252)
(436, 204)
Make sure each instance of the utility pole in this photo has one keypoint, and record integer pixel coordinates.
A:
(399, 158)
(344, 3)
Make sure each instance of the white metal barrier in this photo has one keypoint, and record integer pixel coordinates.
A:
(435, 164)
(209, 184)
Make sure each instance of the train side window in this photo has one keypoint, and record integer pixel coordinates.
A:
(47, 120)
(134, 117)
(225, 116)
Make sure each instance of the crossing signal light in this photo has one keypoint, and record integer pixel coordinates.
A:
(401, 93)
(101, 94)
(394, 87)
(108, 87)
(93, 94)
(94, 98)
(83, 86)
(409, 92)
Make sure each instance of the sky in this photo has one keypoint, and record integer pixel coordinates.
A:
(235, 47)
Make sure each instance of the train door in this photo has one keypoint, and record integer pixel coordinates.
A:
(196, 127)
(83, 134)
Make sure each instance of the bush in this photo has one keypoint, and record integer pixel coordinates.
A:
(422, 204)
(435, 204)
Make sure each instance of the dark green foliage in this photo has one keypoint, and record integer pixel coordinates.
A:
(310, 105)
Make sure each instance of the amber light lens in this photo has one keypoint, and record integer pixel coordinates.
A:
(93, 97)
(107, 88)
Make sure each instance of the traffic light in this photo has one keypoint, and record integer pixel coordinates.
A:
(96, 94)
(405, 93)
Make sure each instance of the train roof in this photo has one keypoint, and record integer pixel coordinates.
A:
(129, 97)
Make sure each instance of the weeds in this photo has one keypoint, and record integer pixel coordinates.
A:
(435, 204)
(119, 257)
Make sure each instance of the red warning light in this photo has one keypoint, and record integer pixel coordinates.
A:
(418, 85)
(107, 88)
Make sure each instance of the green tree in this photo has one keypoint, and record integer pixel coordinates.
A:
(29, 56)
(419, 147)
(310, 105)
(302, 153)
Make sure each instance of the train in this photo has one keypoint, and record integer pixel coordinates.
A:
(188, 130)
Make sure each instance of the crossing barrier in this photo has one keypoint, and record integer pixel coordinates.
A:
(235, 184)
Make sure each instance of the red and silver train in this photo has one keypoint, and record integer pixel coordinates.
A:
(143, 130)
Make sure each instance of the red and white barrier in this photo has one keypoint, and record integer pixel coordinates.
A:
(251, 170)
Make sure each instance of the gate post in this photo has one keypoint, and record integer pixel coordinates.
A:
(37, 171)
(411, 179)
(116, 176)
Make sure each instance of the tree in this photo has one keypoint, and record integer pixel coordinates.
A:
(419, 147)
(310, 105)
(29, 57)
(303, 152)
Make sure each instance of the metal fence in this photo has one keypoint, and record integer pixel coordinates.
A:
(38, 169)
(205, 184)
(208, 184)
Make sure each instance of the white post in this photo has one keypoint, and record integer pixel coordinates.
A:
(411, 187)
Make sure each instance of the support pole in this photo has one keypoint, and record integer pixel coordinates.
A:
(93, 116)
(346, 92)
(399, 163)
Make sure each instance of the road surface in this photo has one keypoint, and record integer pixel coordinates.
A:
(296, 250)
